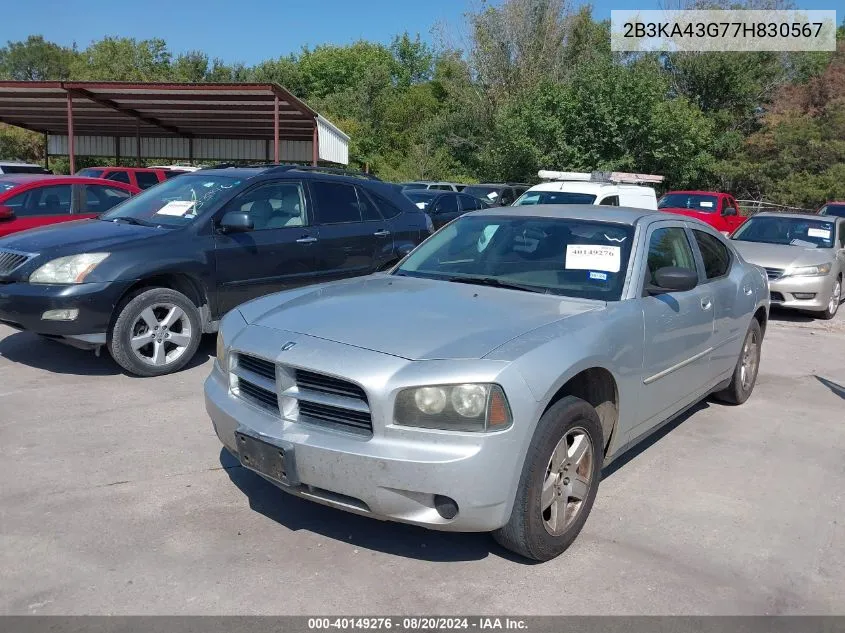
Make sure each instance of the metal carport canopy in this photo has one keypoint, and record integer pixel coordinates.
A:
(199, 121)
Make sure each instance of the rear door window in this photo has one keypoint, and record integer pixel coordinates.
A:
(369, 212)
(146, 179)
(446, 204)
(717, 258)
(469, 203)
(610, 201)
(337, 203)
(119, 176)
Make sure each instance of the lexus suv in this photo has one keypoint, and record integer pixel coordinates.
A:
(149, 277)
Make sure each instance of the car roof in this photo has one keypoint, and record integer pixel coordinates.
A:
(797, 216)
(14, 163)
(23, 178)
(426, 192)
(616, 215)
(698, 191)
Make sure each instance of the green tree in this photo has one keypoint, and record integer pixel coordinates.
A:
(35, 60)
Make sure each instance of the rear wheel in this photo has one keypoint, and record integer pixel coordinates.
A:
(835, 300)
(559, 482)
(745, 372)
(157, 332)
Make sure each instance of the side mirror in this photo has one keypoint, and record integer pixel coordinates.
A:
(729, 211)
(6, 213)
(673, 279)
(236, 222)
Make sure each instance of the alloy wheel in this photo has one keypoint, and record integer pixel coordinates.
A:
(835, 298)
(567, 482)
(750, 360)
(161, 334)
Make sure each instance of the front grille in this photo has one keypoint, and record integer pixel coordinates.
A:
(334, 401)
(328, 384)
(264, 368)
(776, 296)
(336, 415)
(774, 273)
(11, 260)
(257, 381)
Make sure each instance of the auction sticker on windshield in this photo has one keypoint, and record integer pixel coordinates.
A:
(825, 235)
(593, 257)
(178, 208)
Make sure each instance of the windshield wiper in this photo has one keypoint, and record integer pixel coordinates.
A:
(495, 283)
(129, 220)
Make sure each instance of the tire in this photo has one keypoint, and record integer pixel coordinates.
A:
(168, 319)
(528, 532)
(742, 384)
(835, 300)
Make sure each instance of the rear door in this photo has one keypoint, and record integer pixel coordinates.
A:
(146, 179)
(92, 200)
(278, 254)
(678, 330)
(351, 234)
(120, 176)
(444, 209)
(37, 206)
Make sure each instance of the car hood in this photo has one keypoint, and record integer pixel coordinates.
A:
(412, 318)
(781, 255)
(84, 236)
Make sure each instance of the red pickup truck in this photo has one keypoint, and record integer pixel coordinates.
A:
(719, 210)
(31, 200)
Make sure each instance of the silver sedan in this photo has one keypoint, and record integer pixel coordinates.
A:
(482, 384)
(804, 257)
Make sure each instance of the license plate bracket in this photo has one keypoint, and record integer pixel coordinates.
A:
(271, 460)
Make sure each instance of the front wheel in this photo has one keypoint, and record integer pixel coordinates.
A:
(156, 333)
(559, 482)
(835, 300)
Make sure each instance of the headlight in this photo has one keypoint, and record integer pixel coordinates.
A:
(808, 271)
(230, 325)
(72, 269)
(222, 353)
(467, 407)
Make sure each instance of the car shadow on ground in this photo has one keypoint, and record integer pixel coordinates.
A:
(836, 388)
(42, 353)
(398, 539)
(393, 538)
(791, 316)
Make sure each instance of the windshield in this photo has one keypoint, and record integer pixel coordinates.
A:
(692, 201)
(837, 210)
(5, 186)
(421, 197)
(174, 202)
(787, 231)
(554, 197)
(90, 172)
(563, 257)
(485, 193)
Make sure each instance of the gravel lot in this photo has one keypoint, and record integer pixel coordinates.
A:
(116, 499)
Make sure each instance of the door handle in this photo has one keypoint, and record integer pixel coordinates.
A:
(706, 304)
(306, 240)
(382, 233)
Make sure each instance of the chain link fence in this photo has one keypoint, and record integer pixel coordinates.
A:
(752, 207)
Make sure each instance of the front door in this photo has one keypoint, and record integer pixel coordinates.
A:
(678, 331)
(276, 255)
(731, 218)
(38, 206)
(445, 209)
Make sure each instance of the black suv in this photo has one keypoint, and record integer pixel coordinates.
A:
(500, 194)
(152, 275)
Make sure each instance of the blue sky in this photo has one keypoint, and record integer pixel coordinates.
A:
(250, 31)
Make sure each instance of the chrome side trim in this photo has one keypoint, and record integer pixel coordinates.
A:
(683, 363)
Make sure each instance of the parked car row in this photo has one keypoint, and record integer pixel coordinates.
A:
(140, 177)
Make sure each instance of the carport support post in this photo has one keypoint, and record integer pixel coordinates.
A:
(276, 129)
(46, 150)
(117, 150)
(70, 148)
(315, 145)
(138, 143)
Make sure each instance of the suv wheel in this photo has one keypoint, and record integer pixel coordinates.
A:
(157, 332)
(559, 482)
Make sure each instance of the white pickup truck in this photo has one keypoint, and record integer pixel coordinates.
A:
(616, 189)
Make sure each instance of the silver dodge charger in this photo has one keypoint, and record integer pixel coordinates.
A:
(482, 383)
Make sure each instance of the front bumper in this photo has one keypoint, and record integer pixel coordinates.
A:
(394, 474)
(782, 292)
(22, 306)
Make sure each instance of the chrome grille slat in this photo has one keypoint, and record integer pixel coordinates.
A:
(258, 395)
(260, 366)
(256, 379)
(12, 260)
(774, 273)
(335, 415)
(327, 398)
(320, 382)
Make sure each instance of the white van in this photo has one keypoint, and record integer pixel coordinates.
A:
(615, 189)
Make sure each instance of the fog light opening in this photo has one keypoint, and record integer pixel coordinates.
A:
(446, 507)
(804, 296)
(69, 314)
